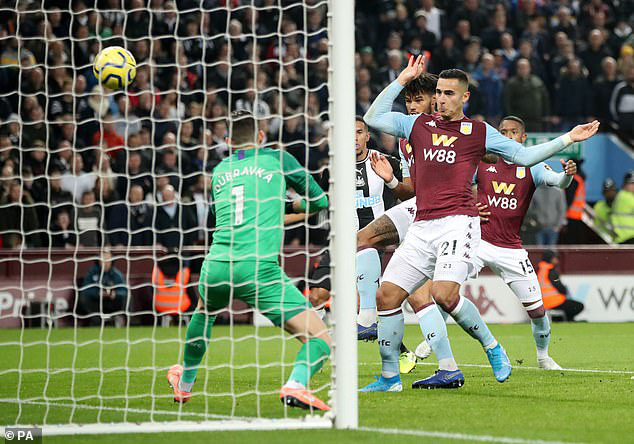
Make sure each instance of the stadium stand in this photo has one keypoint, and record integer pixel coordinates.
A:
(552, 63)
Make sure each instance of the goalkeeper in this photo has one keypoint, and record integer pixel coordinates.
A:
(249, 190)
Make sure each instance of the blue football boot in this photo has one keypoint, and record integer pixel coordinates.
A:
(442, 379)
(367, 333)
(382, 384)
(499, 363)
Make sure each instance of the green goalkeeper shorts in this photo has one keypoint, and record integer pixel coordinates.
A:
(262, 285)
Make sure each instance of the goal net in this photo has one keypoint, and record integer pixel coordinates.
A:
(105, 205)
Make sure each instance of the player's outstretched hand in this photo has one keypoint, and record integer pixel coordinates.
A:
(483, 211)
(415, 67)
(381, 166)
(570, 167)
(585, 131)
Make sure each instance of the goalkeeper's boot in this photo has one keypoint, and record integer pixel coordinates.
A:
(367, 333)
(500, 363)
(302, 398)
(383, 384)
(423, 351)
(441, 379)
(173, 378)
(548, 363)
(407, 362)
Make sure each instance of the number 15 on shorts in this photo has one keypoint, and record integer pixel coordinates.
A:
(527, 267)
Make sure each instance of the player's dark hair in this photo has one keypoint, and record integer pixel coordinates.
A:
(360, 119)
(514, 119)
(243, 128)
(425, 84)
(457, 74)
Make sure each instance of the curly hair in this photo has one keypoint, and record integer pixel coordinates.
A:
(425, 84)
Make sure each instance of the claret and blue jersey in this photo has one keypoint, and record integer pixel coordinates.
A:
(507, 189)
(447, 153)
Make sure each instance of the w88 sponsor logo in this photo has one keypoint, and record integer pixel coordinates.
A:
(440, 155)
(506, 203)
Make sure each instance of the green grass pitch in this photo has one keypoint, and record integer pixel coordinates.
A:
(563, 406)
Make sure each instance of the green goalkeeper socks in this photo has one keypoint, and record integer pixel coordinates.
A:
(310, 360)
(196, 340)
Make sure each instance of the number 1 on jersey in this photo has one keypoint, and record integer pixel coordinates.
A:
(238, 194)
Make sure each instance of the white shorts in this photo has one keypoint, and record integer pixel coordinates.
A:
(402, 216)
(513, 266)
(440, 249)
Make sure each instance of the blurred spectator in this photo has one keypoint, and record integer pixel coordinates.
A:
(174, 224)
(108, 137)
(555, 295)
(623, 211)
(536, 36)
(565, 23)
(35, 128)
(492, 35)
(575, 229)
(527, 52)
(393, 69)
(525, 96)
(77, 181)
(603, 209)
(573, 97)
(58, 199)
(595, 53)
(490, 86)
(364, 100)
(62, 234)
(470, 56)
(103, 291)
(88, 220)
(427, 38)
(507, 51)
(130, 223)
(434, 17)
(622, 102)
(462, 34)
(170, 280)
(548, 210)
(19, 219)
(603, 87)
(199, 196)
(473, 14)
(446, 56)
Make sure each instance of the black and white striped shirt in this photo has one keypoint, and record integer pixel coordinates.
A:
(373, 197)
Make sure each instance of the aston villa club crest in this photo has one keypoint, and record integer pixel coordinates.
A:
(520, 172)
(466, 128)
(408, 147)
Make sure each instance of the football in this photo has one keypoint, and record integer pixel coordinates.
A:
(115, 67)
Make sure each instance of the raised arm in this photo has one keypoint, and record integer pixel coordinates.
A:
(313, 197)
(380, 116)
(544, 175)
(529, 156)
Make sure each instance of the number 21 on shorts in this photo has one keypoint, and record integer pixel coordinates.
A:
(238, 194)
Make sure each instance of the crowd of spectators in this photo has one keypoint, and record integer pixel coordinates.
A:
(84, 166)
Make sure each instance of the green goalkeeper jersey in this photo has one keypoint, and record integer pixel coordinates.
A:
(249, 198)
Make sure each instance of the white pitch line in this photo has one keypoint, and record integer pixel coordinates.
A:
(522, 367)
(460, 436)
(127, 410)
(441, 435)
